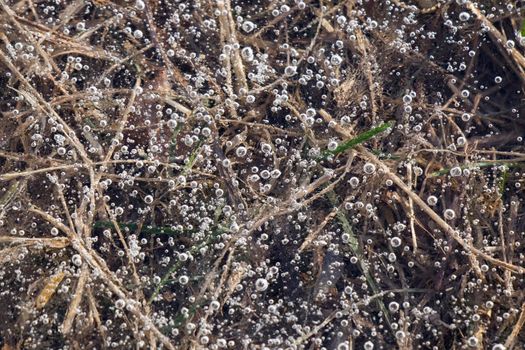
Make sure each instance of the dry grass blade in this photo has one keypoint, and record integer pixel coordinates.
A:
(75, 302)
(56, 242)
(511, 339)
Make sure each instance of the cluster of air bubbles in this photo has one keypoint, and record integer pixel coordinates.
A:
(76, 260)
(336, 60)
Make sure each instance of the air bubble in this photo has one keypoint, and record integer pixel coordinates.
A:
(76, 260)
(266, 148)
(215, 305)
(393, 306)
(336, 60)
(148, 199)
(455, 171)
(465, 117)
(275, 173)
(248, 26)
(449, 214)
(332, 145)
(369, 168)
(400, 335)
(138, 34)
(369, 345)
(261, 284)
(290, 70)
(310, 112)
(140, 5)
(241, 151)
(354, 181)
(472, 342)
(247, 54)
(172, 124)
(432, 200)
(464, 16)
(395, 242)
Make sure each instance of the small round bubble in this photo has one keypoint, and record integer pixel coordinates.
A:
(449, 214)
(261, 284)
(432, 200)
(395, 242)
(369, 168)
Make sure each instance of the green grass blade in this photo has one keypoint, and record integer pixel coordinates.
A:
(502, 181)
(358, 252)
(363, 137)
(353, 241)
(167, 277)
(192, 157)
(507, 163)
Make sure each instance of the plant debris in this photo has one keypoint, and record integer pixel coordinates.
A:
(289, 174)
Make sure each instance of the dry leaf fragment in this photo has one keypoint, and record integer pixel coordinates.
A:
(49, 290)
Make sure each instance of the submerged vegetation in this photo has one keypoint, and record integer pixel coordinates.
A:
(266, 174)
